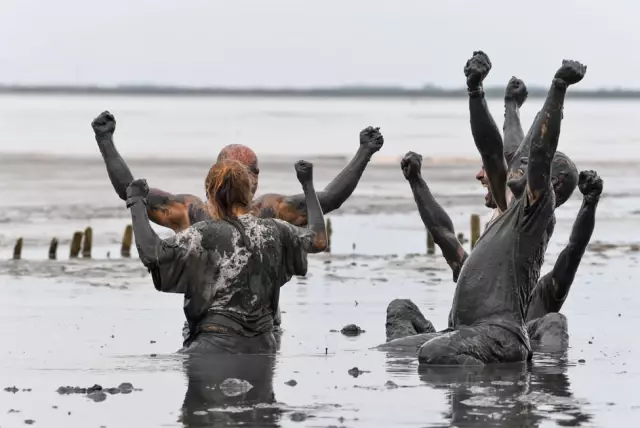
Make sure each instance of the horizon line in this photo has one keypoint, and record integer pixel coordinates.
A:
(347, 91)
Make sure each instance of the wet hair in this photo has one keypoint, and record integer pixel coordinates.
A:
(565, 172)
(242, 154)
(228, 189)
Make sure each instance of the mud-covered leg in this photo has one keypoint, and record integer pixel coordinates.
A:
(405, 319)
(409, 344)
(476, 345)
(550, 332)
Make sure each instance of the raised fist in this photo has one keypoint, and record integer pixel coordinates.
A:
(304, 171)
(371, 138)
(138, 187)
(476, 69)
(516, 91)
(571, 71)
(104, 124)
(590, 184)
(411, 164)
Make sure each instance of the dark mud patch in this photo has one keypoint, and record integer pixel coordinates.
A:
(351, 330)
(96, 392)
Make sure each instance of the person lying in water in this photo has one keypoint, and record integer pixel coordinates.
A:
(179, 211)
(231, 266)
(486, 322)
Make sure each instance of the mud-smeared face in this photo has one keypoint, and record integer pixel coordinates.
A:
(564, 177)
(481, 176)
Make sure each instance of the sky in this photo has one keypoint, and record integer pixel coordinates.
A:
(287, 43)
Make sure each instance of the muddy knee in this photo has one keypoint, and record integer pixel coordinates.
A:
(549, 330)
(405, 319)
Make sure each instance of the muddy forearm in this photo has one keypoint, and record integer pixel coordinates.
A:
(545, 136)
(488, 140)
(149, 245)
(439, 224)
(512, 128)
(569, 259)
(343, 185)
(118, 171)
(315, 219)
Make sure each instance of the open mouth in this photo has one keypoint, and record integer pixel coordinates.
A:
(488, 195)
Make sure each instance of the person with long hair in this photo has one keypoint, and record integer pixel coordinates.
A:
(230, 267)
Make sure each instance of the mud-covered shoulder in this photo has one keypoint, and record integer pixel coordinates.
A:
(203, 236)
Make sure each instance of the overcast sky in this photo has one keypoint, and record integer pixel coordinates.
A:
(297, 43)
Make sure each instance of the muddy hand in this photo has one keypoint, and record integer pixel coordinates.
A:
(411, 164)
(571, 71)
(104, 124)
(476, 69)
(590, 184)
(138, 188)
(371, 138)
(516, 91)
(304, 171)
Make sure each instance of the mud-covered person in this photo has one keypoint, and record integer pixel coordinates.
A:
(508, 256)
(230, 267)
(179, 211)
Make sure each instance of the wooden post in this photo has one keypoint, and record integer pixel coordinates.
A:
(76, 241)
(86, 244)
(475, 229)
(53, 249)
(431, 245)
(329, 233)
(125, 249)
(17, 250)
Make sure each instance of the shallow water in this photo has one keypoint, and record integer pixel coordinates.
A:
(86, 322)
(102, 322)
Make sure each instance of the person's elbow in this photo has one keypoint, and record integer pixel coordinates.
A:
(329, 202)
(319, 243)
(147, 256)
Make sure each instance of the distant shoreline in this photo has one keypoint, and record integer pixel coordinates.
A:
(337, 92)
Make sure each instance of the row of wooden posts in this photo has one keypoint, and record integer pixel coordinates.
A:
(82, 241)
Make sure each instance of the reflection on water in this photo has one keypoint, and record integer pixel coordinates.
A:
(513, 395)
(230, 390)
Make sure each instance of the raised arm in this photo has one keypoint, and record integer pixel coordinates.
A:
(164, 260)
(514, 97)
(434, 217)
(485, 132)
(293, 209)
(568, 261)
(545, 135)
(165, 209)
(317, 239)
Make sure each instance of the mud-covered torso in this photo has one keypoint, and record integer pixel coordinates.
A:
(231, 272)
(497, 278)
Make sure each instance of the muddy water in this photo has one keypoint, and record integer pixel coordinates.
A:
(101, 322)
(80, 323)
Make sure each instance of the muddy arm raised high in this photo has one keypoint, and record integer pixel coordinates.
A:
(434, 217)
(486, 134)
(293, 209)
